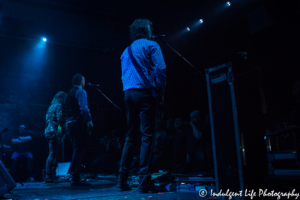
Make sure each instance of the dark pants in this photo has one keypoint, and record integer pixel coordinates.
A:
(78, 134)
(140, 110)
(52, 160)
(28, 161)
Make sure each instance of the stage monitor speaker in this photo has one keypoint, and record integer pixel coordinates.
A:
(7, 183)
(63, 168)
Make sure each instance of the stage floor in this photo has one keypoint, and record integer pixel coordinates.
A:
(101, 189)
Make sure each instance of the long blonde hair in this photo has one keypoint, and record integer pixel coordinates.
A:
(59, 98)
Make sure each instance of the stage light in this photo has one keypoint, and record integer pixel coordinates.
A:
(44, 39)
(188, 29)
(201, 21)
(228, 3)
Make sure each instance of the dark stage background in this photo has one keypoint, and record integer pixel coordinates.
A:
(89, 37)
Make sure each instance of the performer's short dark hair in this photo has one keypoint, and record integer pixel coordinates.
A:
(139, 29)
(77, 78)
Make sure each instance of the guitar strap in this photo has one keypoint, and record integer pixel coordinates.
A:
(142, 75)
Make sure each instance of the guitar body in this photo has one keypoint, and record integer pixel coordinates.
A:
(60, 135)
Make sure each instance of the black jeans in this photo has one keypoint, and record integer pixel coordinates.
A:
(27, 160)
(140, 110)
(78, 134)
(52, 160)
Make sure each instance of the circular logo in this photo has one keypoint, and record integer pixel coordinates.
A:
(202, 192)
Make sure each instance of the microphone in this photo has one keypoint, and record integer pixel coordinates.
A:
(91, 84)
(153, 37)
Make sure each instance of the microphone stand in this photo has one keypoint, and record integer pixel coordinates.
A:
(115, 106)
(108, 99)
(182, 57)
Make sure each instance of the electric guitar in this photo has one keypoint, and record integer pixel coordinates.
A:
(60, 135)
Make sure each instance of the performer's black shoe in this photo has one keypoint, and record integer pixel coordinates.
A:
(80, 183)
(122, 182)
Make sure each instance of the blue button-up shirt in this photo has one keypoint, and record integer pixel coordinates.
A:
(149, 57)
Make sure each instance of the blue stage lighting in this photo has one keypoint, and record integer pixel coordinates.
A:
(44, 39)
(228, 3)
(201, 21)
(188, 29)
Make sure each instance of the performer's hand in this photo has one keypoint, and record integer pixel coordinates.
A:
(91, 125)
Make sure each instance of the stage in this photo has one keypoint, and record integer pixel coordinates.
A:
(101, 189)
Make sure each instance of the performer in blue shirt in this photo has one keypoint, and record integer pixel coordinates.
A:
(78, 119)
(140, 104)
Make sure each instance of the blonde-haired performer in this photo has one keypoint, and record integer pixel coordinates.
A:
(54, 123)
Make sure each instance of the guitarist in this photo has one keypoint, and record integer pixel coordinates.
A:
(54, 122)
(142, 62)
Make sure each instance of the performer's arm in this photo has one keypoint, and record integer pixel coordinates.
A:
(25, 138)
(21, 140)
(159, 67)
(82, 101)
(16, 141)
